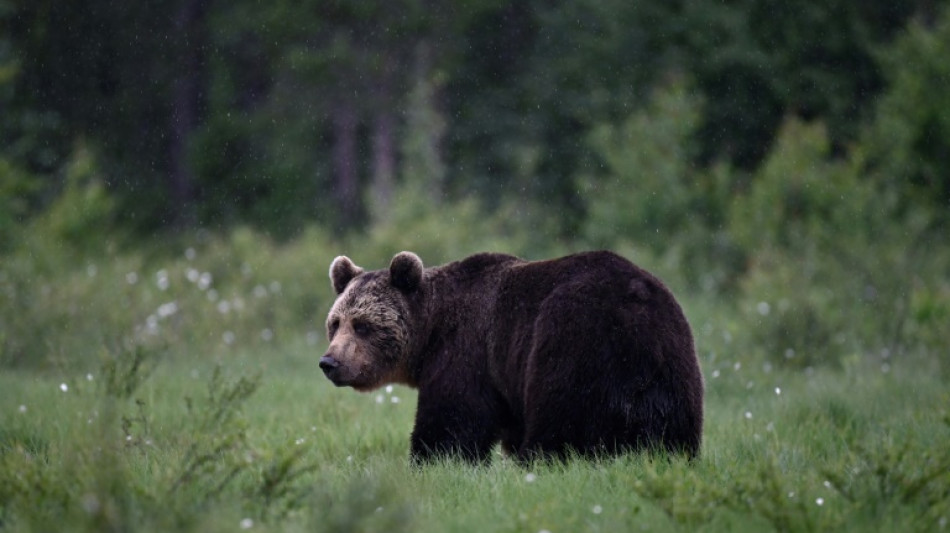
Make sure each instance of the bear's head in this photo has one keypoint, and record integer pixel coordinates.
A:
(370, 326)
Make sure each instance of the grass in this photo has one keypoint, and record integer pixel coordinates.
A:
(259, 440)
(177, 390)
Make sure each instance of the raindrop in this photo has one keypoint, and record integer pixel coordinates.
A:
(530, 477)
(763, 308)
(64, 387)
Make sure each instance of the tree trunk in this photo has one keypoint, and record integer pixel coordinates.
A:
(186, 99)
(384, 151)
(423, 163)
(345, 163)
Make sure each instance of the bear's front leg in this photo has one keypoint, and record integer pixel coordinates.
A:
(450, 425)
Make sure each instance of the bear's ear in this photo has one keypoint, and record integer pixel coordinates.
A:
(405, 271)
(342, 270)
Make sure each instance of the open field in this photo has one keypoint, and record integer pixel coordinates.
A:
(257, 439)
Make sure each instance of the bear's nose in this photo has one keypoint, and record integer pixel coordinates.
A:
(328, 363)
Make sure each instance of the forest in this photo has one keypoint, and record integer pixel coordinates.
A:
(176, 177)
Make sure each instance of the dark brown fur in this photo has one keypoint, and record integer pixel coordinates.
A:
(586, 353)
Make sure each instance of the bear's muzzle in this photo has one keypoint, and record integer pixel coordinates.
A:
(331, 368)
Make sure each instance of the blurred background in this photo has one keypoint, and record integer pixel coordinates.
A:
(180, 174)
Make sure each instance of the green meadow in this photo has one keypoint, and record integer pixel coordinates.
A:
(180, 392)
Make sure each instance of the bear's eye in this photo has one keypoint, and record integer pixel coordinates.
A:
(361, 328)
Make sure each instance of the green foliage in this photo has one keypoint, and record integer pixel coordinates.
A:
(646, 195)
(652, 195)
(15, 187)
(826, 249)
(908, 141)
(84, 210)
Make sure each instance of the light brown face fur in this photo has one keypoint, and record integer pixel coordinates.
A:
(368, 335)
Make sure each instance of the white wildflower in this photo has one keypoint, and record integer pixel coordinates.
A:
(167, 309)
(161, 279)
(204, 280)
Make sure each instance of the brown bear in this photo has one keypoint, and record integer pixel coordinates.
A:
(587, 354)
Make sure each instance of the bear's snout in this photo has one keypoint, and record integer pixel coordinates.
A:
(329, 365)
